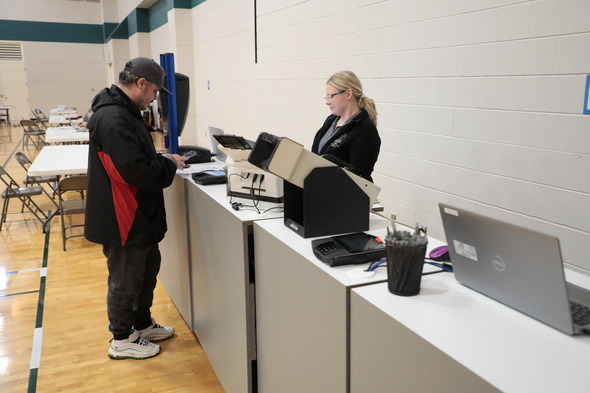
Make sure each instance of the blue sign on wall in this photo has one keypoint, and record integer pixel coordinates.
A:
(586, 103)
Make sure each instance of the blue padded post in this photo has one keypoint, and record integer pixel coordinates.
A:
(167, 62)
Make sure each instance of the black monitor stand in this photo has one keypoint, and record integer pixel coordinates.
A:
(330, 203)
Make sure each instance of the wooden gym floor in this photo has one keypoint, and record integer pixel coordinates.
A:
(53, 324)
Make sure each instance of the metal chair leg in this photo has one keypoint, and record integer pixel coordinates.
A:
(4, 212)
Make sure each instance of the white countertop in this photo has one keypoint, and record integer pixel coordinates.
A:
(347, 274)
(219, 192)
(510, 350)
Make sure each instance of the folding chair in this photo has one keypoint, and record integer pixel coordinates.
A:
(52, 181)
(88, 114)
(4, 118)
(32, 133)
(40, 117)
(24, 194)
(70, 206)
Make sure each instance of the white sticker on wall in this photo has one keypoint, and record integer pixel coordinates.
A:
(465, 250)
(452, 212)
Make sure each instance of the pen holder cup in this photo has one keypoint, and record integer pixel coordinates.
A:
(404, 269)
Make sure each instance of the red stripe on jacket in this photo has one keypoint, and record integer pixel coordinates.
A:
(123, 197)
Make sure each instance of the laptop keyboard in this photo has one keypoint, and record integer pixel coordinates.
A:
(580, 314)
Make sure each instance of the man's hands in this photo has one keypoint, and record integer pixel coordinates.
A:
(177, 159)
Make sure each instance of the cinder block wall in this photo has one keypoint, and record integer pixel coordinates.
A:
(480, 102)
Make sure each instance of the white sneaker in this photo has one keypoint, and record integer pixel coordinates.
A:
(133, 347)
(155, 332)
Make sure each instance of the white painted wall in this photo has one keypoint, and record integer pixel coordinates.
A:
(63, 74)
(125, 7)
(52, 11)
(68, 73)
(59, 73)
(479, 101)
(180, 39)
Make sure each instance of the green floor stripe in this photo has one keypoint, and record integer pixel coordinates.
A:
(33, 372)
(33, 380)
(41, 304)
(46, 247)
(19, 293)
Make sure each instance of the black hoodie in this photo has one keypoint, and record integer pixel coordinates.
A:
(125, 201)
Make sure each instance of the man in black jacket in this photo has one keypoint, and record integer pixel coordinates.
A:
(125, 205)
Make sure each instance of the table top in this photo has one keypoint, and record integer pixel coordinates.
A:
(60, 160)
(64, 111)
(65, 119)
(510, 350)
(66, 134)
(7, 106)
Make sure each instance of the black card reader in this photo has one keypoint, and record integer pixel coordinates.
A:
(349, 249)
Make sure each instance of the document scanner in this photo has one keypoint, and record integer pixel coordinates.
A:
(245, 180)
(320, 197)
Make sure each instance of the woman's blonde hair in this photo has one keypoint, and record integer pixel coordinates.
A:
(345, 80)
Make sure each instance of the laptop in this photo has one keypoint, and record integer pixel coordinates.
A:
(219, 155)
(516, 266)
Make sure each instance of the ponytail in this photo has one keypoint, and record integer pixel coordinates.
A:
(369, 105)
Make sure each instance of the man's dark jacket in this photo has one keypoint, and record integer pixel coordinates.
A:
(356, 143)
(125, 201)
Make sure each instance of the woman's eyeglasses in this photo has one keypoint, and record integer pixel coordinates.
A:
(330, 97)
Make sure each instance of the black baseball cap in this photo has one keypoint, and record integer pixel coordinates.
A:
(148, 69)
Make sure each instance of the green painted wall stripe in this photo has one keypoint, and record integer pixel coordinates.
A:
(158, 14)
(108, 29)
(138, 21)
(120, 32)
(14, 30)
(195, 3)
(182, 4)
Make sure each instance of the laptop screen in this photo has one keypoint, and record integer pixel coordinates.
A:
(219, 155)
(514, 265)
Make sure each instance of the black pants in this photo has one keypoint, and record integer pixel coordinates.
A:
(132, 279)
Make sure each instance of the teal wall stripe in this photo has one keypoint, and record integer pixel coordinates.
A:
(138, 21)
(108, 29)
(182, 4)
(120, 32)
(195, 3)
(14, 30)
(158, 14)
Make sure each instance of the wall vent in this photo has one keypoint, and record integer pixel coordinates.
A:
(10, 51)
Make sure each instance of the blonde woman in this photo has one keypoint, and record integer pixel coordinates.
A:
(350, 132)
